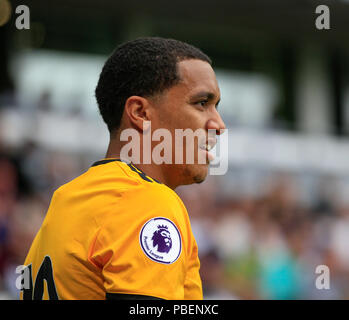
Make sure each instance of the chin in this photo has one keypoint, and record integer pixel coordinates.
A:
(196, 173)
(199, 179)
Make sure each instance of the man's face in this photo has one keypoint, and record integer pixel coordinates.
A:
(190, 104)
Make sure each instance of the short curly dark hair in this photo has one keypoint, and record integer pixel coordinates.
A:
(142, 67)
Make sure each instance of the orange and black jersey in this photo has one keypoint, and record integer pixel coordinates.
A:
(114, 230)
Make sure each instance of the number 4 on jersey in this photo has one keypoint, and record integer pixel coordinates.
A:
(45, 273)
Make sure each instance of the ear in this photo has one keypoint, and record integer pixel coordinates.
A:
(137, 109)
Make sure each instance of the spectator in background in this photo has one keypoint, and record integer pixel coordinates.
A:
(8, 197)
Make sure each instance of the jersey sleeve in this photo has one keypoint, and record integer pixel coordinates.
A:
(193, 285)
(143, 247)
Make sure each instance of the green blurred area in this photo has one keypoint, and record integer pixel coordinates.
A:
(249, 36)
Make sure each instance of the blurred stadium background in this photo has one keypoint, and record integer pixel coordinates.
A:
(283, 207)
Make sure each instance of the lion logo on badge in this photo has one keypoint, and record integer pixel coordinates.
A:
(160, 240)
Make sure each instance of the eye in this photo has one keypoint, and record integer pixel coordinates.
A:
(203, 103)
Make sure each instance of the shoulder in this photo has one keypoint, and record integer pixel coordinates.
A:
(153, 194)
(146, 200)
(141, 204)
(149, 221)
(116, 195)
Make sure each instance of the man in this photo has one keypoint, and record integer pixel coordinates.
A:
(119, 231)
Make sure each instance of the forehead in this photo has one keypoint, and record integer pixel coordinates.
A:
(197, 75)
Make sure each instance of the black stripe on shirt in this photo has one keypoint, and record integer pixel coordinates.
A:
(132, 167)
(97, 163)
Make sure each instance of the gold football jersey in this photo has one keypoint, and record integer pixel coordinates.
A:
(114, 230)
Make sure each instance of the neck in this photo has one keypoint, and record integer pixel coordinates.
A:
(152, 170)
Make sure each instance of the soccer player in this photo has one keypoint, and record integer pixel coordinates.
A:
(119, 231)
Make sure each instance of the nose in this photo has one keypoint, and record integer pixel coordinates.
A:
(216, 123)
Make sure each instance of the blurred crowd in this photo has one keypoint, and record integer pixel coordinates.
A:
(270, 246)
(28, 178)
(265, 246)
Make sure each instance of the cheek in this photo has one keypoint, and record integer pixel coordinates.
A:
(177, 114)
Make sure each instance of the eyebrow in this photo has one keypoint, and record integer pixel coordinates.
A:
(205, 94)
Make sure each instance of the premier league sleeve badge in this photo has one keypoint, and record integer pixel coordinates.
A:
(160, 240)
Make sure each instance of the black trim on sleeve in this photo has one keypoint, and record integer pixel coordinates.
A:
(122, 296)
